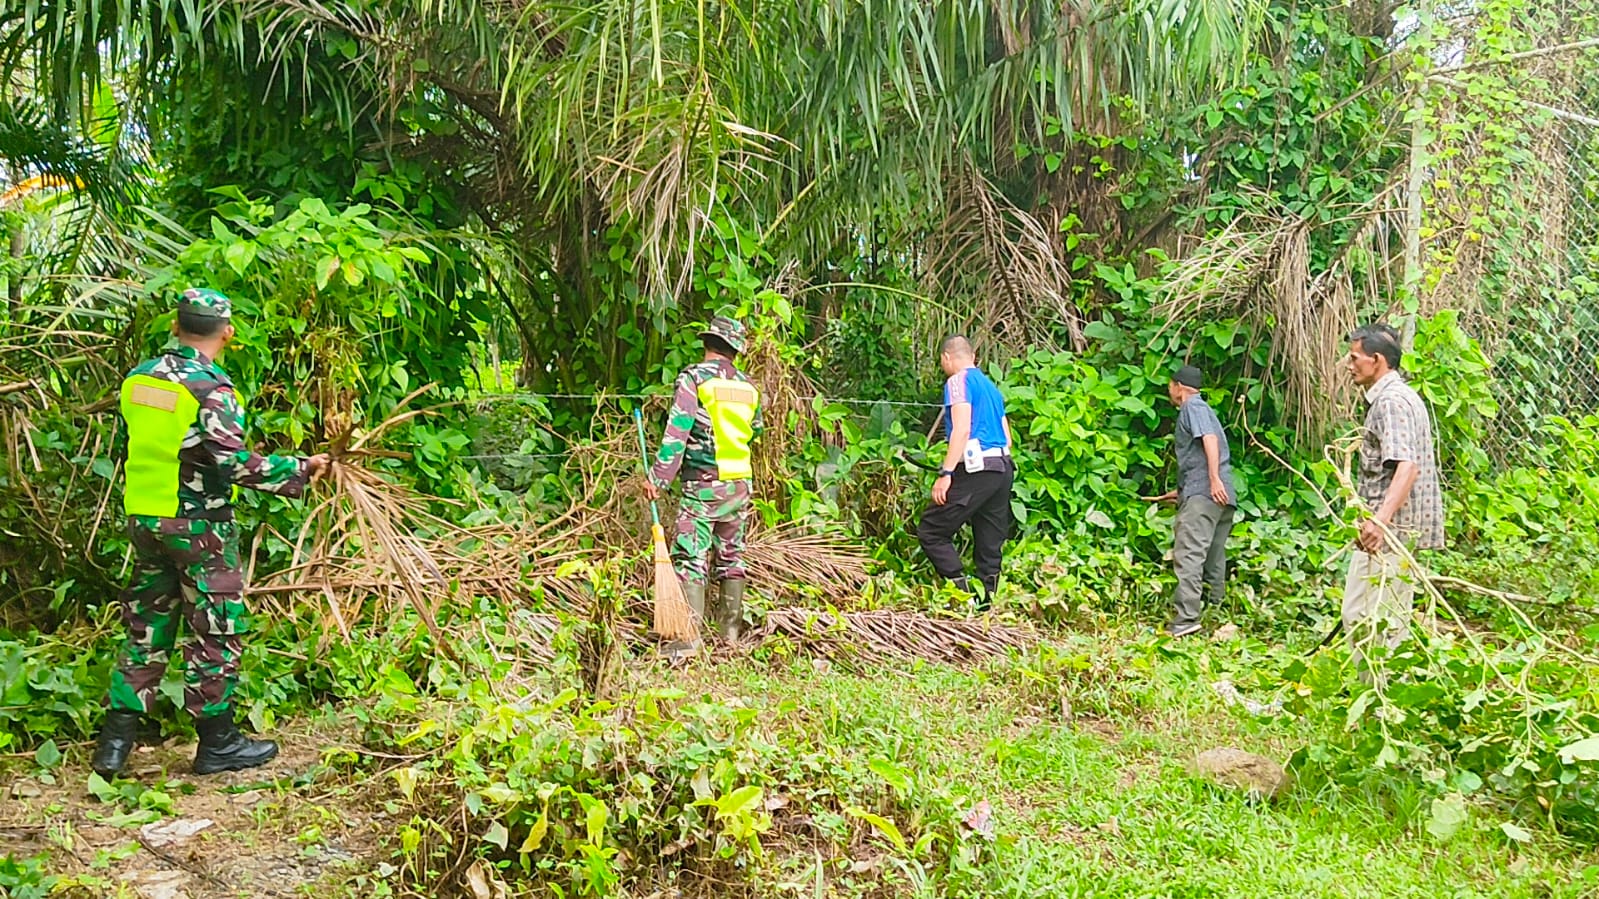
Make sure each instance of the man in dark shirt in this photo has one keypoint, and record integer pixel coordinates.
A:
(1206, 502)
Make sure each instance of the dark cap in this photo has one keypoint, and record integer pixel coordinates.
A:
(728, 330)
(1189, 376)
(206, 303)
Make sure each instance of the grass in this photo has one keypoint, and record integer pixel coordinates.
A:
(1080, 748)
(1105, 806)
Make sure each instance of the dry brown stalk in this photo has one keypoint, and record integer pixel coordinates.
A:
(891, 634)
(785, 559)
(371, 544)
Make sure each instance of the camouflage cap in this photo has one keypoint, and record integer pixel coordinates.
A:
(204, 301)
(729, 330)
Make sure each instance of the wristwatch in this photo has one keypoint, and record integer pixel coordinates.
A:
(946, 472)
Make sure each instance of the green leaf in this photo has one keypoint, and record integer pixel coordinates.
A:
(497, 835)
(352, 275)
(892, 774)
(131, 819)
(239, 256)
(883, 825)
(1100, 331)
(1448, 816)
(48, 755)
(1358, 708)
(535, 837)
(1584, 750)
(406, 778)
(325, 267)
(594, 818)
(102, 791)
(1387, 756)
(502, 794)
(739, 801)
(1516, 832)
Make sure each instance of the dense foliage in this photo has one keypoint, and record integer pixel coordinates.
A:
(528, 209)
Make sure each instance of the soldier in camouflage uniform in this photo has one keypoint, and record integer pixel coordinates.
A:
(716, 413)
(182, 442)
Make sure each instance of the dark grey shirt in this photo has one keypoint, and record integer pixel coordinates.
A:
(1194, 420)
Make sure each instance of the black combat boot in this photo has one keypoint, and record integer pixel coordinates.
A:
(118, 733)
(223, 748)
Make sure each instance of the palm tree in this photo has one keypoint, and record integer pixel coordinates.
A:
(578, 130)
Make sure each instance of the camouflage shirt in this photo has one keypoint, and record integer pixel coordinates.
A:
(213, 458)
(689, 444)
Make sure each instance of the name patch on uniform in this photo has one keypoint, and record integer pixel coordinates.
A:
(154, 397)
(733, 393)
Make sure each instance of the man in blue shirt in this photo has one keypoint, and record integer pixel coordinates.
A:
(974, 482)
(1206, 501)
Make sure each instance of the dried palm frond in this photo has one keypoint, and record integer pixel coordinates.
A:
(784, 559)
(902, 635)
(1028, 288)
(373, 543)
(373, 538)
(1258, 267)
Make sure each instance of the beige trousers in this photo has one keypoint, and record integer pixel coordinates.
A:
(1379, 598)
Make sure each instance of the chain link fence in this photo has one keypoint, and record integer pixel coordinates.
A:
(1510, 235)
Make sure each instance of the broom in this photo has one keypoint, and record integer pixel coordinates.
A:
(674, 619)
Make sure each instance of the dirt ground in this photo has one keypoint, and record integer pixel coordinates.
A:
(285, 829)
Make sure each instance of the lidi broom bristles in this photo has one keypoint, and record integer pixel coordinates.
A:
(675, 621)
(674, 618)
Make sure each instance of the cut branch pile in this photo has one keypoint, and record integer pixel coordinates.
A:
(891, 634)
(374, 540)
(372, 545)
(787, 561)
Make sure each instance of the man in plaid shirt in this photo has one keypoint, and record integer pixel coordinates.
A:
(1398, 481)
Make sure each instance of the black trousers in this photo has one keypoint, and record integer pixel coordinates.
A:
(982, 498)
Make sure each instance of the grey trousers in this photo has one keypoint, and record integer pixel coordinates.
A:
(1200, 554)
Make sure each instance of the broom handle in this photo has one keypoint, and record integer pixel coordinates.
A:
(644, 453)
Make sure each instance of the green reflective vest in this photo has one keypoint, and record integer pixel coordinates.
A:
(157, 414)
(731, 407)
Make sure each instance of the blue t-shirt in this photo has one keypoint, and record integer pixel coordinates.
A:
(988, 407)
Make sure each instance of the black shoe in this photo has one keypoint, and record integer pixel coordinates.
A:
(223, 748)
(118, 733)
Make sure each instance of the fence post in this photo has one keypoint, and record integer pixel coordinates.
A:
(1410, 286)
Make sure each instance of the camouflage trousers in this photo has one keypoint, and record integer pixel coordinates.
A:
(186, 574)
(710, 519)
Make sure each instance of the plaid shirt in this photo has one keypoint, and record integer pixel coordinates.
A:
(1398, 430)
